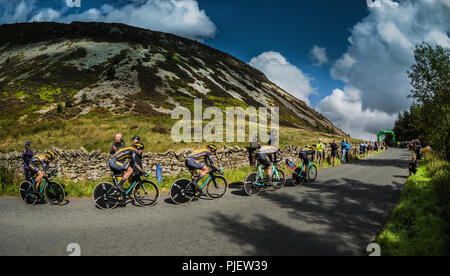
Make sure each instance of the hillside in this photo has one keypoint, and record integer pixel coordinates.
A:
(114, 72)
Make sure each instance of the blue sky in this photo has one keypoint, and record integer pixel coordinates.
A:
(345, 59)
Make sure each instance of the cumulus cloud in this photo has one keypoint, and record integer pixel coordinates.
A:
(376, 62)
(180, 17)
(345, 110)
(319, 55)
(285, 75)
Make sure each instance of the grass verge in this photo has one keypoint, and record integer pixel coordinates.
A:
(419, 225)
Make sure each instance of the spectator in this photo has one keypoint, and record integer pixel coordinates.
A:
(362, 148)
(334, 151)
(135, 139)
(348, 147)
(413, 164)
(320, 152)
(418, 149)
(344, 150)
(118, 144)
(273, 138)
(27, 154)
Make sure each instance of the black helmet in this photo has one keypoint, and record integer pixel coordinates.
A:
(136, 138)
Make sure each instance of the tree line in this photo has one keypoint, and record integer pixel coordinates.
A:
(429, 115)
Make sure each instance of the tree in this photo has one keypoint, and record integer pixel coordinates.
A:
(430, 81)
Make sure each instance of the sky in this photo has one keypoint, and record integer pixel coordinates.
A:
(346, 59)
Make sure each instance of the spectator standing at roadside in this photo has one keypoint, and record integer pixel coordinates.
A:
(362, 148)
(320, 152)
(334, 151)
(343, 150)
(348, 147)
(27, 154)
(418, 150)
(118, 144)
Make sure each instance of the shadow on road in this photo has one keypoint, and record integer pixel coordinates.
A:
(334, 217)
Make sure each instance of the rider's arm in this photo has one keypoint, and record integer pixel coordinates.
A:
(210, 163)
(136, 164)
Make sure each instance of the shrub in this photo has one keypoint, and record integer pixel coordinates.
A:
(84, 98)
(59, 109)
(10, 181)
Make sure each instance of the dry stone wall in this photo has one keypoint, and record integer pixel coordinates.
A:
(83, 165)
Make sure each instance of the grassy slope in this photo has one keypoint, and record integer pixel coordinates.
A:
(96, 130)
(419, 224)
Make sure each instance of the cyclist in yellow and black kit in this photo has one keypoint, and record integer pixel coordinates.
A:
(193, 162)
(118, 165)
(36, 162)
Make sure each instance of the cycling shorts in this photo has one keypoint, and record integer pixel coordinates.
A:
(263, 159)
(117, 167)
(192, 165)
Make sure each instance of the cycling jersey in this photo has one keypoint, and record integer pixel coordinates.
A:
(117, 164)
(36, 162)
(267, 154)
(203, 155)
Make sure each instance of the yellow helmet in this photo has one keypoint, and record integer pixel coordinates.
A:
(138, 145)
(50, 155)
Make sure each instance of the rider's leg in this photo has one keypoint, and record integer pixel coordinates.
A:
(126, 175)
(203, 172)
(40, 175)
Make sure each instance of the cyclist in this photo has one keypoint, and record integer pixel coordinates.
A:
(304, 156)
(44, 161)
(118, 167)
(193, 162)
(266, 155)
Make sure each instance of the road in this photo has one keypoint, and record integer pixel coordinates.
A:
(339, 214)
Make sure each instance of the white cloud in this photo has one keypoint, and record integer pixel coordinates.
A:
(344, 109)
(376, 62)
(319, 55)
(180, 17)
(285, 75)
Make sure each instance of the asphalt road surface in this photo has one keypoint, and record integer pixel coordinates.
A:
(339, 214)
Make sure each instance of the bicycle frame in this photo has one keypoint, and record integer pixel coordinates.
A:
(261, 175)
(132, 186)
(206, 182)
(46, 180)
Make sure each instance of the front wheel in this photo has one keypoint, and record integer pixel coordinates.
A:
(298, 177)
(278, 179)
(54, 193)
(181, 191)
(105, 196)
(251, 186)
(146, 193)
(27, 193)
(312, 173)
(217, 187)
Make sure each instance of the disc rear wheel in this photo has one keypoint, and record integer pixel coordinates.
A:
(181, 191)
(27, 193)
(105, 196)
